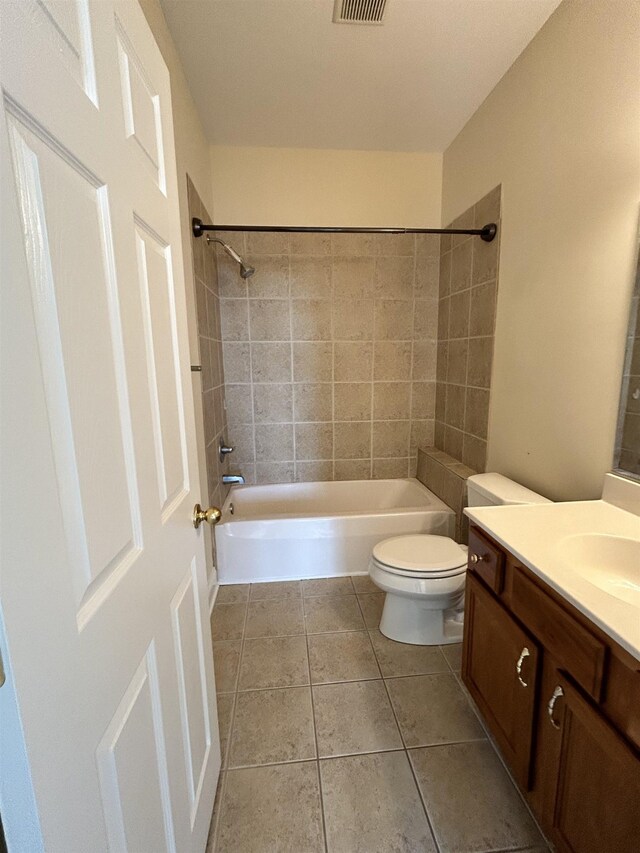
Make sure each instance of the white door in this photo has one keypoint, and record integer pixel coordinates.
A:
(103, 590)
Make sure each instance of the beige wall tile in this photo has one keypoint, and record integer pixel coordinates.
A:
(274, 442)
(239, 404)
(461, 266)
(457, 361)
(352, 244)
(427, 278)
(454, 415)
(480, 358)
(353, 277)
(387, 469)
(310, 277)
(310, 244)
(352, 361)
(267, 243)
(230, 282)
(442, 362)
(269, 320)
(273, 403)
(311, 319)
(474, 453)
(314, 471)
(459, 315)
(428, 245)
(271, 277)
(274, 472)
(390, 438)
(394, 278)
(395, 244)
(391, 400)
(423, 400)
(485, 260)
(352, 440)
(241, 438)
(313, 401)
(424, 360)
(425, 320)
(483, 309)
(392, 360)
(393, 320)
(352, 469)
(445, 275)
(422, 435)
(314, 441)
(312, 361)
(352, 319)
(271, 362)
(352, 401)
(234, 318)
(453, 441)
(477, 412)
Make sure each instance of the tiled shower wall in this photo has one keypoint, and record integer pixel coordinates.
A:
(210, 344)
(466, 323)
(329, 353)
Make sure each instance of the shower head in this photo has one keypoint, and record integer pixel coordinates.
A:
(245, 269)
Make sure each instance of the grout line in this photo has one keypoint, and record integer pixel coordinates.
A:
(315, 740)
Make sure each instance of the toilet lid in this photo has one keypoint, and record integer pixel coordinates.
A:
(422, 553)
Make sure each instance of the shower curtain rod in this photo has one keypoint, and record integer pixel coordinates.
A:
(487, 233)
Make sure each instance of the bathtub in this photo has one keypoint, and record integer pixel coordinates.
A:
(314, 530)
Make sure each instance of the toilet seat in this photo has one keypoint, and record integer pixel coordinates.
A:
(421, 556)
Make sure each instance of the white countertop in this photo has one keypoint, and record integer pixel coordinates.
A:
(532, 532)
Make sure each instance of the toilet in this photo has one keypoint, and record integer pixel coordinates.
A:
(424, 575)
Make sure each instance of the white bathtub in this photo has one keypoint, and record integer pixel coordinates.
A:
(312, 530)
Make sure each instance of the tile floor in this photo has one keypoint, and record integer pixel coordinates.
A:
(337, 739)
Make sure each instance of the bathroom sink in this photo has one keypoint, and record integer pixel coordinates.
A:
(610, 563)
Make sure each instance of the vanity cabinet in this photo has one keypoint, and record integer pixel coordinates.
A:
(561, 699)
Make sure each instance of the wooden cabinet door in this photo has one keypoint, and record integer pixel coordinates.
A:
(597, 801)
(500, 669)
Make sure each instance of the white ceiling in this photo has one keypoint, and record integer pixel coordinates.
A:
(280, 73)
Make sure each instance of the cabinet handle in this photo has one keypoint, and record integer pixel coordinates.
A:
(475, 558)
(557, 694)
(523, 654)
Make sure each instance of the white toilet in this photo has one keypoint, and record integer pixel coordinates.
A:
(424, 575)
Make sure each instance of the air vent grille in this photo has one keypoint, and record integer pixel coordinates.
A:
(359, 11)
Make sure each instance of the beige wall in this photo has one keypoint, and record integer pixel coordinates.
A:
(560, 132)
(300, 186)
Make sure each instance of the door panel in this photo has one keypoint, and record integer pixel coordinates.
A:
(595, 812)
(190, 661)
(135, 739)
(160, 328)
(77, 314)
(104, 594)
(494, 645)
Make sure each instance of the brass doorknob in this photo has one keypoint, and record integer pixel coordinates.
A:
(211, 515)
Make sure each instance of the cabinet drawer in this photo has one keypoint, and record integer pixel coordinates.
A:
(486, 560)
(575, 649)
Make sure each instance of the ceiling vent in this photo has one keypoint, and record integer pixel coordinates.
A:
(359, 11)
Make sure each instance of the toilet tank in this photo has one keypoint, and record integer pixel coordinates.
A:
(496, 490)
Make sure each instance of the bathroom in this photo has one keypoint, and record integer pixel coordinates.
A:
(378, 322)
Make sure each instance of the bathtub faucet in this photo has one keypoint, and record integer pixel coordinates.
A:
(228, 479)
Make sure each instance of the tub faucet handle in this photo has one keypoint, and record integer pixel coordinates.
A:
(224, 449)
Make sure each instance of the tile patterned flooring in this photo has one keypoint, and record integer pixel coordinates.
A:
(335, 738)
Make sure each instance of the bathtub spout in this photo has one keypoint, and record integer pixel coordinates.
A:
(228, 479)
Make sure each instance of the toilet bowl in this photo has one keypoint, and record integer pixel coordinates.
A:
(424, 575)
(424, 578)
